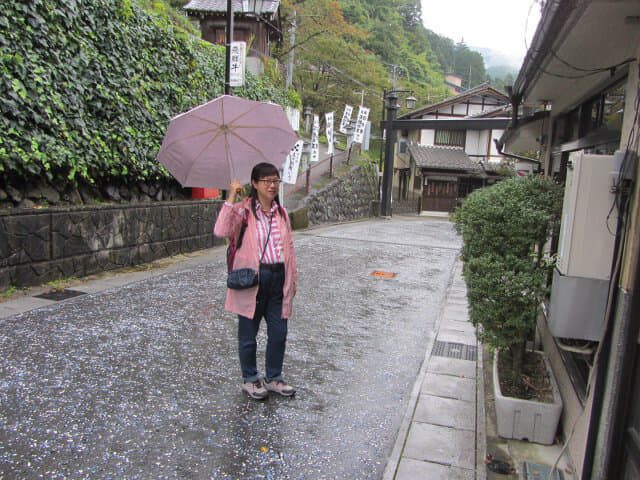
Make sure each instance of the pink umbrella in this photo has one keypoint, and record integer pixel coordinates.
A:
(221, 140)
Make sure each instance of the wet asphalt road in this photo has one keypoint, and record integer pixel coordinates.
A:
(143, 381)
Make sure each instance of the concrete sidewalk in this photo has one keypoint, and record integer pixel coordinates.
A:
(442, 436)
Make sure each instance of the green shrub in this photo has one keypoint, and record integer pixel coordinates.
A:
(504, 228)
(87, 89)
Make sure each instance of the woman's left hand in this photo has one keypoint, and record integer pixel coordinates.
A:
(295, 289)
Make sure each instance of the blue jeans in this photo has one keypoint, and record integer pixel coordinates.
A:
(269, 306)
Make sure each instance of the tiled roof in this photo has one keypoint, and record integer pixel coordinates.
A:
(482, 89)
(221, 6)
(500, 111)
(451, 158)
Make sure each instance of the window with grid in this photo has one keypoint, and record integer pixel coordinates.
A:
(450, 138)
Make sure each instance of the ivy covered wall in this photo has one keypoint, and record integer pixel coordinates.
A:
(87, 89)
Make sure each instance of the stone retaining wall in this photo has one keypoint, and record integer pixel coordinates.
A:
(42, 245)
(38, 246)
(348, 197)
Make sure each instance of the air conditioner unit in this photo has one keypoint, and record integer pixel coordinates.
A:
(585, 251)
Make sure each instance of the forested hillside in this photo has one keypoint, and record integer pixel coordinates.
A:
(348, 50)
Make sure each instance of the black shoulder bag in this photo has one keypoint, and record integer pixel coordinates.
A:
(243, 278)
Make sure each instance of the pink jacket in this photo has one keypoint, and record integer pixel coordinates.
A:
(229, 222)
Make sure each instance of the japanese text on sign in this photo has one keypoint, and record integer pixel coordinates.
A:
(363, 115)
(329, 120)
(315, 134)
(292, 163)
(236, 66)
(346, 118)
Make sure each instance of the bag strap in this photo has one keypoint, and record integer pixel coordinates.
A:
(268, 235)
(245, 223)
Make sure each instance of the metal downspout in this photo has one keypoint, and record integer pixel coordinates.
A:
(517, 157)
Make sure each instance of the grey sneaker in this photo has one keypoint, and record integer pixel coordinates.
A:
(255, 390)
(279, 386)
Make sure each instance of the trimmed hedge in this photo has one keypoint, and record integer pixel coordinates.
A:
(505, 228)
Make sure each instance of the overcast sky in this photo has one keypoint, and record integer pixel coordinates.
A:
(496, 24)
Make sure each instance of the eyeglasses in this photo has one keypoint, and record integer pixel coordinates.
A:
(268, 182)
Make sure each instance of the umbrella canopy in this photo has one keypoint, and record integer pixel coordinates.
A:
(221, 140)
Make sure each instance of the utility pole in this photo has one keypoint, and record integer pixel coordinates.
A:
(291, 53)
(227, 75)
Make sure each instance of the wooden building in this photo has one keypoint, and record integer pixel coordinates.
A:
(446, 150)
(255, 22)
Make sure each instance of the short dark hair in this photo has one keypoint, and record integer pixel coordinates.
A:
(260, 171)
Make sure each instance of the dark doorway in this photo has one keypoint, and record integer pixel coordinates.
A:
(440, 196)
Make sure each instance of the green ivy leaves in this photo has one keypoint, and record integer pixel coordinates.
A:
(87, 89)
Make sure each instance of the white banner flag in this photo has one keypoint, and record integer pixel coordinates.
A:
(315, 143)
(346, 118)
(329, 119)
(293, 114)
(292, 163)
(236, 66)
(363, 115)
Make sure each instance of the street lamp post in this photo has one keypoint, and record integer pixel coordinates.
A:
(387, 173)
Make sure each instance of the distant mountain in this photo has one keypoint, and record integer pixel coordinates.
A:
(494, 58)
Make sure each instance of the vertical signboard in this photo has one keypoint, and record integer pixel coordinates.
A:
(329, 120)
(237, 65)
(363, 115)
(292, 163)
(346, 118)
(315, 143)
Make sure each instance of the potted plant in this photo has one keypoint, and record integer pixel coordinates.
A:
(504, 228)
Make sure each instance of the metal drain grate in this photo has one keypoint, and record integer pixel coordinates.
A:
(534, 471)
(455, 350)
(58, 295)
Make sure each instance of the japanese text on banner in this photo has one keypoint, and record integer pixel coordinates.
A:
(236, 66)
(346, 118)
(292, 163)
(329, 120)
(363, 115)
(315, 142)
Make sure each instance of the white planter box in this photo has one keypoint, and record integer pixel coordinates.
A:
(527, 419)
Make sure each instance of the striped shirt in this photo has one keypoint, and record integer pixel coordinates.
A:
(273, 251)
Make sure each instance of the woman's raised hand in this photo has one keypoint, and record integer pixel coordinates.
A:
(234, 188)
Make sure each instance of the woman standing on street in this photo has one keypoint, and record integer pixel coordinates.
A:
(267, 247)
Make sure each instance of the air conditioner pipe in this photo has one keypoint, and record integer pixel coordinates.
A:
(517, 157)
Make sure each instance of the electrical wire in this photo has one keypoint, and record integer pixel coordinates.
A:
(595, 71)
(627, 161)
(591, 70)
(526, 23)
(587, 72)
